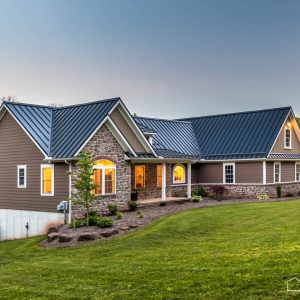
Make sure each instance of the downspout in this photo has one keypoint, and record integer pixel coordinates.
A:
(70, 191)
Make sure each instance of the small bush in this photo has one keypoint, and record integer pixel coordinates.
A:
(197, 198)
(200, 192)
(104, 222)
(78, 223)
(279, 190)
(132, 205)
(218, 191)
(163, 203)
(140, 214)
(263, 196)
(93, 220)
(113, 209)
(119, 215)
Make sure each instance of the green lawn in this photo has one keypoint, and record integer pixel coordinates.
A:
(228, 252)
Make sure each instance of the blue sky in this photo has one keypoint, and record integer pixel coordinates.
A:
(163, 58)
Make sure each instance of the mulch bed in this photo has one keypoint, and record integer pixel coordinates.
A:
(64, 236)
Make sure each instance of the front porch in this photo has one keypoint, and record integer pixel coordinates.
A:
(155, 181)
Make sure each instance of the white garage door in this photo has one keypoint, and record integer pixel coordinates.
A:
(18, 224)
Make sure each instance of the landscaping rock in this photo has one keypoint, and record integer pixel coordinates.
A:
(109, 232)
(86, 237)
(52, 229)
(133, 225)
(65, 238)
(123, 227)
(52, 236)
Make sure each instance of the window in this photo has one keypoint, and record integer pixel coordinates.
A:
(104, 177)
(179, 174)
(47, 180)
(297, 168)
(22, 177)
(277, 172)
(139, 177)
(229, 173)
(288, 137)
(159, 175)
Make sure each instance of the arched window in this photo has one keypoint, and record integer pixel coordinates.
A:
(105, 177)
(179, 174)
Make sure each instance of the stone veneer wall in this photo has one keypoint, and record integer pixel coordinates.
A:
(252, 190)
(103, 145)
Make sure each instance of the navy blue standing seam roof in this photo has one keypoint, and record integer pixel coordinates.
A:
(238, 135)
(60, 132)
(174, 136)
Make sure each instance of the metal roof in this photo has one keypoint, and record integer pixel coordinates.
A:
(284, 156)
(238, 135)
(171, 136)
(60, 132)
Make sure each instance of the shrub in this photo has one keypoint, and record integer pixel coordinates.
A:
(113, 209)
(263, 196)
(218, 191)
(119, 215)
(93, 220)
(163, 203)
(104, 222)
(140, 214)
(197, 198)
(132, 205)
(78, 223)
(200, 192)
(279, 190)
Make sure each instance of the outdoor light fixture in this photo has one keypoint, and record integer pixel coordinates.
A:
(289, 124)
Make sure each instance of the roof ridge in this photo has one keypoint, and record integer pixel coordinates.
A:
(237, 113)
(87, 103)
(27, 104)
(160, 119)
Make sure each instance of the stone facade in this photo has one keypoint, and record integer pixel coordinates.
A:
(236, 191)
(103, 145)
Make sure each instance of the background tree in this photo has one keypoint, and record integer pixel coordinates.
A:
(84, 183)
(8, 98)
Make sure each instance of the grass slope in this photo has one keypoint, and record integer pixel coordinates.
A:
(228, 252)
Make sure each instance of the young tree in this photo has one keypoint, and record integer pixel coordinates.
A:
(84, 183)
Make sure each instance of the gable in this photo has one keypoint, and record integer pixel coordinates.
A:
(279, 143)
(127, 131)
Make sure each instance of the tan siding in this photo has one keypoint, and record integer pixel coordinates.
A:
(279, 144)
(195, 173)
(287, 171)
(270, 172)
(128, 133)
(16, 148)
(211, 173)
(249, 172)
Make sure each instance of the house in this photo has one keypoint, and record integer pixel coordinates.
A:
(248, 152)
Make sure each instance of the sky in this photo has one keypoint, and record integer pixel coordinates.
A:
(165, 58)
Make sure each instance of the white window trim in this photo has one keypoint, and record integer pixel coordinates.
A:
(144, 185)
(25, 177)
(224, 175)
(279, 164)
(285, 130)
(103, 168)
(52, 187)
(297, 163)
(184, 174)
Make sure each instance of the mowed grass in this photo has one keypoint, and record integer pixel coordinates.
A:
(242, 251)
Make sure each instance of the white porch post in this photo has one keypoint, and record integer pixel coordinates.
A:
(264, 172)
(189, 178)
(164, 180)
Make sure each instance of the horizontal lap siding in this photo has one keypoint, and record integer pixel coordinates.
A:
(211, 173)
(287, 171)
(249, 172)
(16, 148)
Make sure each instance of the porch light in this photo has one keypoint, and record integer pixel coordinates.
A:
(289, 124)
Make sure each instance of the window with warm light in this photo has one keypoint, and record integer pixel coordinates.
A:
(139, 177)
(104, 177)
(47, 180)
(159, 175)
(179, 174)
(277, 172)
(288, 136)
(297, 170)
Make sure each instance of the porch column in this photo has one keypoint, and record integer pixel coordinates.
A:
(164, 181)
(264, 172)
(189, 182)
